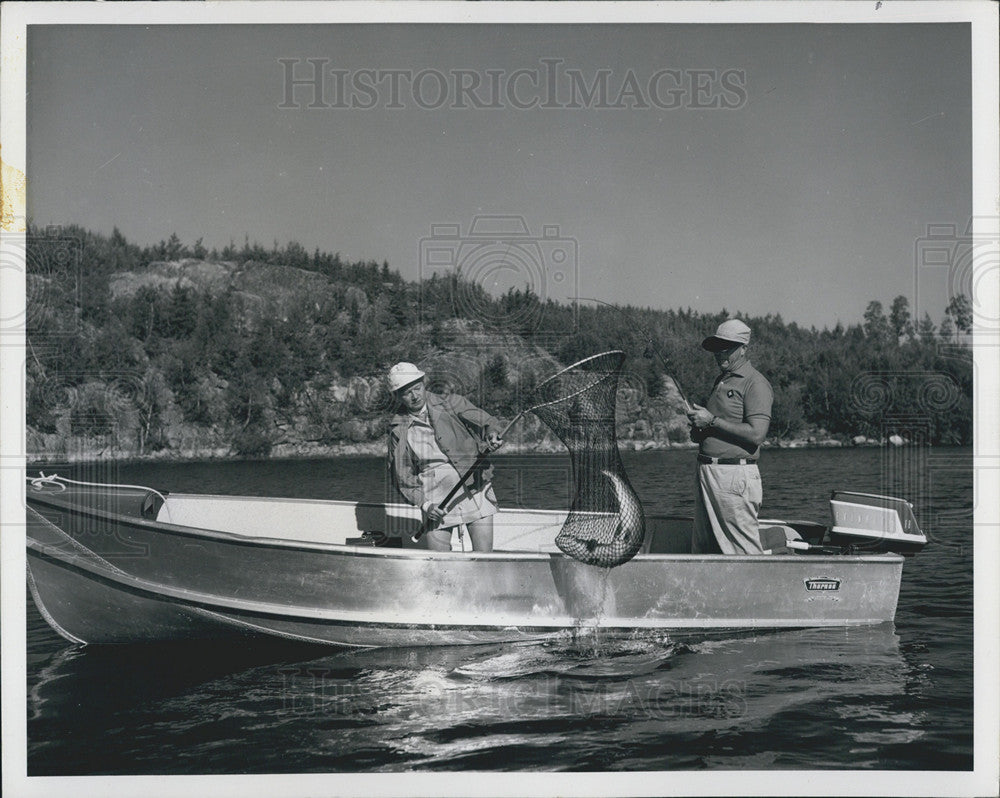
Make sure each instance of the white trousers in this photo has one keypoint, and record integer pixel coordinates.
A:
(727, 501)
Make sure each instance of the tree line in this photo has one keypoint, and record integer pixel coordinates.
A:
(146, 362)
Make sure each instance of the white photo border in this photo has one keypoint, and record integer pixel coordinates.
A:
(17, 17)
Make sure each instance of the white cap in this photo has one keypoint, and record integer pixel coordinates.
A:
(402, 374)
(730, 333)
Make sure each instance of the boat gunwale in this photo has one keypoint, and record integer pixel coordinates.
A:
(387, 552)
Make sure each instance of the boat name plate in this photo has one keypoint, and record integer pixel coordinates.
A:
(822, 583)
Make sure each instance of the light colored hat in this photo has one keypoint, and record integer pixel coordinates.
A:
(732, 331)
(402, 374)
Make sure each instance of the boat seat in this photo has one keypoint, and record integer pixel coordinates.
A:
(774, 539)
(809, 531)
(151, 505)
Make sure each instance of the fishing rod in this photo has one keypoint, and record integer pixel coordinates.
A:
(427, 525)
(650, 343)
(544, 400)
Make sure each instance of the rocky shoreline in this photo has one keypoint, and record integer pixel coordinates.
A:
(84, 451)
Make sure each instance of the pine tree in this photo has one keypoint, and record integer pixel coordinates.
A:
(899, 317)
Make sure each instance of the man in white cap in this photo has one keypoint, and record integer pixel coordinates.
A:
(730, 429)
(432, 442)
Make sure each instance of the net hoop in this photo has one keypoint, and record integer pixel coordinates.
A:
(605, 525)
(599, 376)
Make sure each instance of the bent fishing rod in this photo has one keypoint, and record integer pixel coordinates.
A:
(539, 394)
(426, 526)
(650, 343)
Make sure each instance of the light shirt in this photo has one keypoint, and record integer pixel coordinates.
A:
(438, 476)
(737, 396)
(422, 441)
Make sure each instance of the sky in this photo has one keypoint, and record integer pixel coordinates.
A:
(807, 198)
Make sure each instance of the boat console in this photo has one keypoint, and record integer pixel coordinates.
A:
(871, 523)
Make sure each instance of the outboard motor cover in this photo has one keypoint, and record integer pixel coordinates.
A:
(874, 523)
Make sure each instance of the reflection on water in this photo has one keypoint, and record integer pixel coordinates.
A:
(881, 697)
(496, 707)
(468, 707)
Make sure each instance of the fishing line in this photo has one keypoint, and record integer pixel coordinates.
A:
(651, 343)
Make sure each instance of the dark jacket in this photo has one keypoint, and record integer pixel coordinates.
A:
(460, 429)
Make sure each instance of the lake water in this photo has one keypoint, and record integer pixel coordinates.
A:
(894, 696)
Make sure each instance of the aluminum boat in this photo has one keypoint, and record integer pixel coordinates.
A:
(124, 564)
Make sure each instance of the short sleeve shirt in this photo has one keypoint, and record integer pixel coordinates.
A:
(737, 396)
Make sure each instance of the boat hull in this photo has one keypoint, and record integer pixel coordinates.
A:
(110, 577)
(86, 606)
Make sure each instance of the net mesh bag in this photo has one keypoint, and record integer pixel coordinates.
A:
(605, 525)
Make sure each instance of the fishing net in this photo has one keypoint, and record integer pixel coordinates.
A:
(605, 525)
